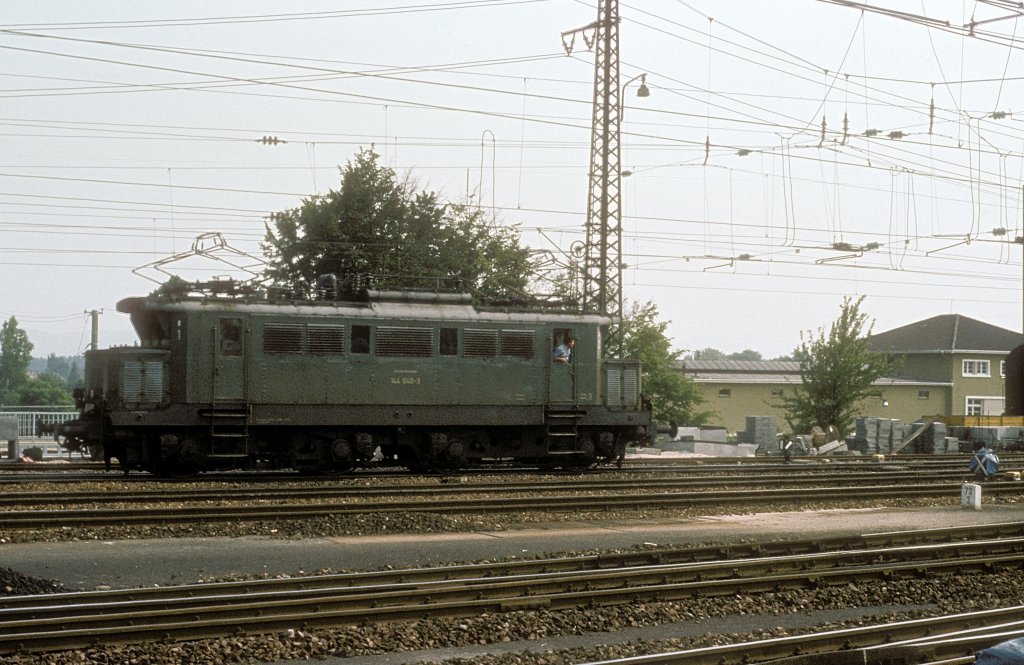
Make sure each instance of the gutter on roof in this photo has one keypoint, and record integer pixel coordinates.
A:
(945, 351)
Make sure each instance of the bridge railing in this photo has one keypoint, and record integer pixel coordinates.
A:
(29, 417)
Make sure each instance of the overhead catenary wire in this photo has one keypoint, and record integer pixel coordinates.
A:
(951, 170)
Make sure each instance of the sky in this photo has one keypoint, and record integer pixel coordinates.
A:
(791, 153)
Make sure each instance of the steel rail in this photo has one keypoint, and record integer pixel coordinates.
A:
(946, 637)
(35, 519)
(653, 464)
(1006, 531)
(41, 627)
(191, 494)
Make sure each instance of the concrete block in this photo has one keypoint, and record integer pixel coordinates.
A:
(688, 434)
(713, 434)
(832, 447)
(710, 448)
(8, 429)
(970, 496)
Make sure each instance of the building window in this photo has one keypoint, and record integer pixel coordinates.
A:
(1002, 369)
(977, 368)
(923, 394)
(725, 392)
(776, 392)
(975, 406)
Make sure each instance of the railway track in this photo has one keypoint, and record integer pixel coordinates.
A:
(83, 620)
(531, 501)
(267, 491)
(943, 640)
(11, 472)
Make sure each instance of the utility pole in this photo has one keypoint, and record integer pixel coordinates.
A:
(602, 267)
(1020, 241)
(94, 342)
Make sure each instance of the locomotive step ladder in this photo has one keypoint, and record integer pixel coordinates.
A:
(561, 429)
(229, 430)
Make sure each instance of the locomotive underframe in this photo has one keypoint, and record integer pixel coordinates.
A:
(325, 438)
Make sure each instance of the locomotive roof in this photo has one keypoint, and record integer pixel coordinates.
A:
(388, 306)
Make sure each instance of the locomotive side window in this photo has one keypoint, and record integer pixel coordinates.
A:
(449, 344)
(282, 338)
(404, 341)
(481, 343)
(563, 346)
(360, 339)
(326, 340)
(517, 344)
(231, 337)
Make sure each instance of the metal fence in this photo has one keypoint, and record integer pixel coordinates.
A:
(30, 416)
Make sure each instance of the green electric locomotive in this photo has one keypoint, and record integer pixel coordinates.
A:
(225, 378)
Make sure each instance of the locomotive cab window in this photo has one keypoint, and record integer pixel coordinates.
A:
(563, 345)
(360, 340)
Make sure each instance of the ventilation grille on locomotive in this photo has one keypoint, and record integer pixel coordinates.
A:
(282, 338)
(622, 386)
(517, 344)
(402, 341)
(326, 340)
(480, 343)
(142, 382)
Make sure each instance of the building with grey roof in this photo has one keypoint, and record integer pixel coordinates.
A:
(948, 365)
(736, 389)
(968, 354)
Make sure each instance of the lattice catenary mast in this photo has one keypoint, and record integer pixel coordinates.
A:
(602, 268)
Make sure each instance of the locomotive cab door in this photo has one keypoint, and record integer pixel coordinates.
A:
(229, 360)
(562, 373)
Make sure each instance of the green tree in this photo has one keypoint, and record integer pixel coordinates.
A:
(673, 395)
(48, 389)
(837, 371)
(714, 354)
(376, 224)
(15, 356)
(74, 377)
(66, 367)
(707, 354)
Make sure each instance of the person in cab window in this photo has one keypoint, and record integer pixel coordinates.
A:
(563, 351)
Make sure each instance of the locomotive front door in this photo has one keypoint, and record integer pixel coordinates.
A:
(562, 374)
(229, 360)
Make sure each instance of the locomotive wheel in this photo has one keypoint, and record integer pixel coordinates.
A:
(586, 456)
(342, 457)
(186, 461)
(455, 455)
